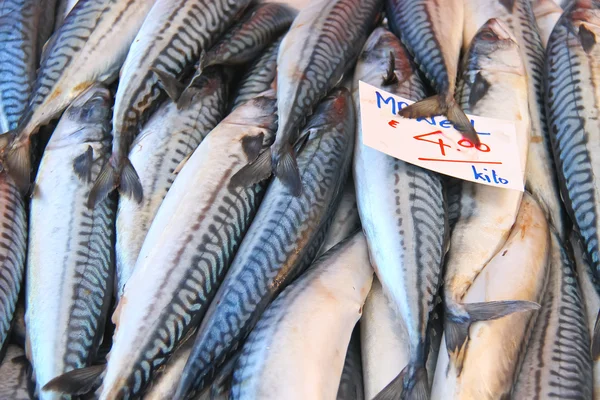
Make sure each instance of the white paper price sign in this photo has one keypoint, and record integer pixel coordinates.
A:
(433, 143)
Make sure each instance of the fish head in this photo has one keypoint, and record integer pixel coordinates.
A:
(584, 17)
(260, 112)
(495, 47)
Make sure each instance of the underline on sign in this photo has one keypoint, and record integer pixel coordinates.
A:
(461, 161)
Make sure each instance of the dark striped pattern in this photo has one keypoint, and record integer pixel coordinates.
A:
(13, 385)
(558, 363)
(572, 100)
(259, 76)
(282, 241)
(13, 233)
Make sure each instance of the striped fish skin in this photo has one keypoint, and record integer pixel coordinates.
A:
(261, 25)
(519, 270)
(13, 384)
(541, 177)
(168, 137)
(322, 44)
(573, 63)
(283, 240)
(345, 221)
(69, 262)
(63, 8)
(320, 308)
(402, 208)
(190, 245)
(351, 384)
(546, 13)
(13, 242)
(259, 76)
(557, 362)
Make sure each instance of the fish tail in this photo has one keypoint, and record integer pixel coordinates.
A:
(461, 122)
(169, 83)
(130, 185)
(596, 339)
(105, 183)
(254, 172)
(285, 168)
(77, 382)
(460, 317)
(111, 177)
(410, 384)
(18, 164)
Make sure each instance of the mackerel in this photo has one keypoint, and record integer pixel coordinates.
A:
(345, 221)
(557, 362)
(322, 44)
(166, 48)
(90, 46)
(282, 242)
(13, 370)
(351, 384)
(168, 137)
(261, 25)
(63, 8)
(69, 262)
(546, 13)
(432, 32)
(403, 213)
(13, 243)
(517, 16)
(321, 308)
(188, 249)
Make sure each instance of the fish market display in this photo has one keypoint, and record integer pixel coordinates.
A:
(432, 32)
(519, 21)
(345, 221)
(403, 213)
(188, 249)
(168, 137)
(572, 103)
(557, 362)
(13, 373)
(166, 47)
(283, 240)
(297, 349)
(547, 13)
(518, 271)
(351, 384)
(70, 246)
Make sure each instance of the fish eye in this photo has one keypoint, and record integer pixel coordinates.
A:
(488, 35)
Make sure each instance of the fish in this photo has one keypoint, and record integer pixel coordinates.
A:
(573, 60)
(492, 70)
(166, 140)
(282, 241)
(63, 8)
(590, 292)
(431, 31)
(261, 25)
(297, 349)
(557, 362)
(541, 177)
(89, 47)
(166, 47)
(351, 384)
(345, 220)
(259, 76)
(546, 13)
(296, 4)
(70, 267)
(188, 249)
(13, 243)
(519, 270)
(13, 370)
(403, 213)
(24, 28)
(322, 44)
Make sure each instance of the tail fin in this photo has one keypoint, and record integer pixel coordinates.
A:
(285, 168)
(596, 339)
(255, 172)
(438, 105)
(457, 326)
(77, 382)
(170, 84)
(410, 384)
(18, 164)
(130, 185)
(111, 177)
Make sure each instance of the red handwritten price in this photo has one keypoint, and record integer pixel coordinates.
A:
(466, 143)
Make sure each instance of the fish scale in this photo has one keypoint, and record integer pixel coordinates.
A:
(13, 234)
(281, 243)
(572, 114)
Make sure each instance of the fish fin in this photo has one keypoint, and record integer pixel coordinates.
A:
(76, 382)
(497, 309)
(286, 169)
(390, 76)
(252, 146)
(82, 165)
(301, 141)
(508, 4)
(202, 62)
(22, 359)
(479, 89)
(254, 172)
(429, 107)
(587, 38)
(461, 122)
(182, 164)
(596, 339)
(170, 84)
(410, 384)
(18, 163)
(105, 183)
(129, 182)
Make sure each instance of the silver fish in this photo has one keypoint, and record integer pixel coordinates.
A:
(190, 245)
(403, 213)
(69, 262)
(546, 13)
(432, 32)
(282, 240)
(540, 172)
(63, 9)
(164, 50)
(13, 370)
(168, 137)
(13, 242)
(320, 308)
(89, 47)
(351, 384)
(493, 85)
(557, 361)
